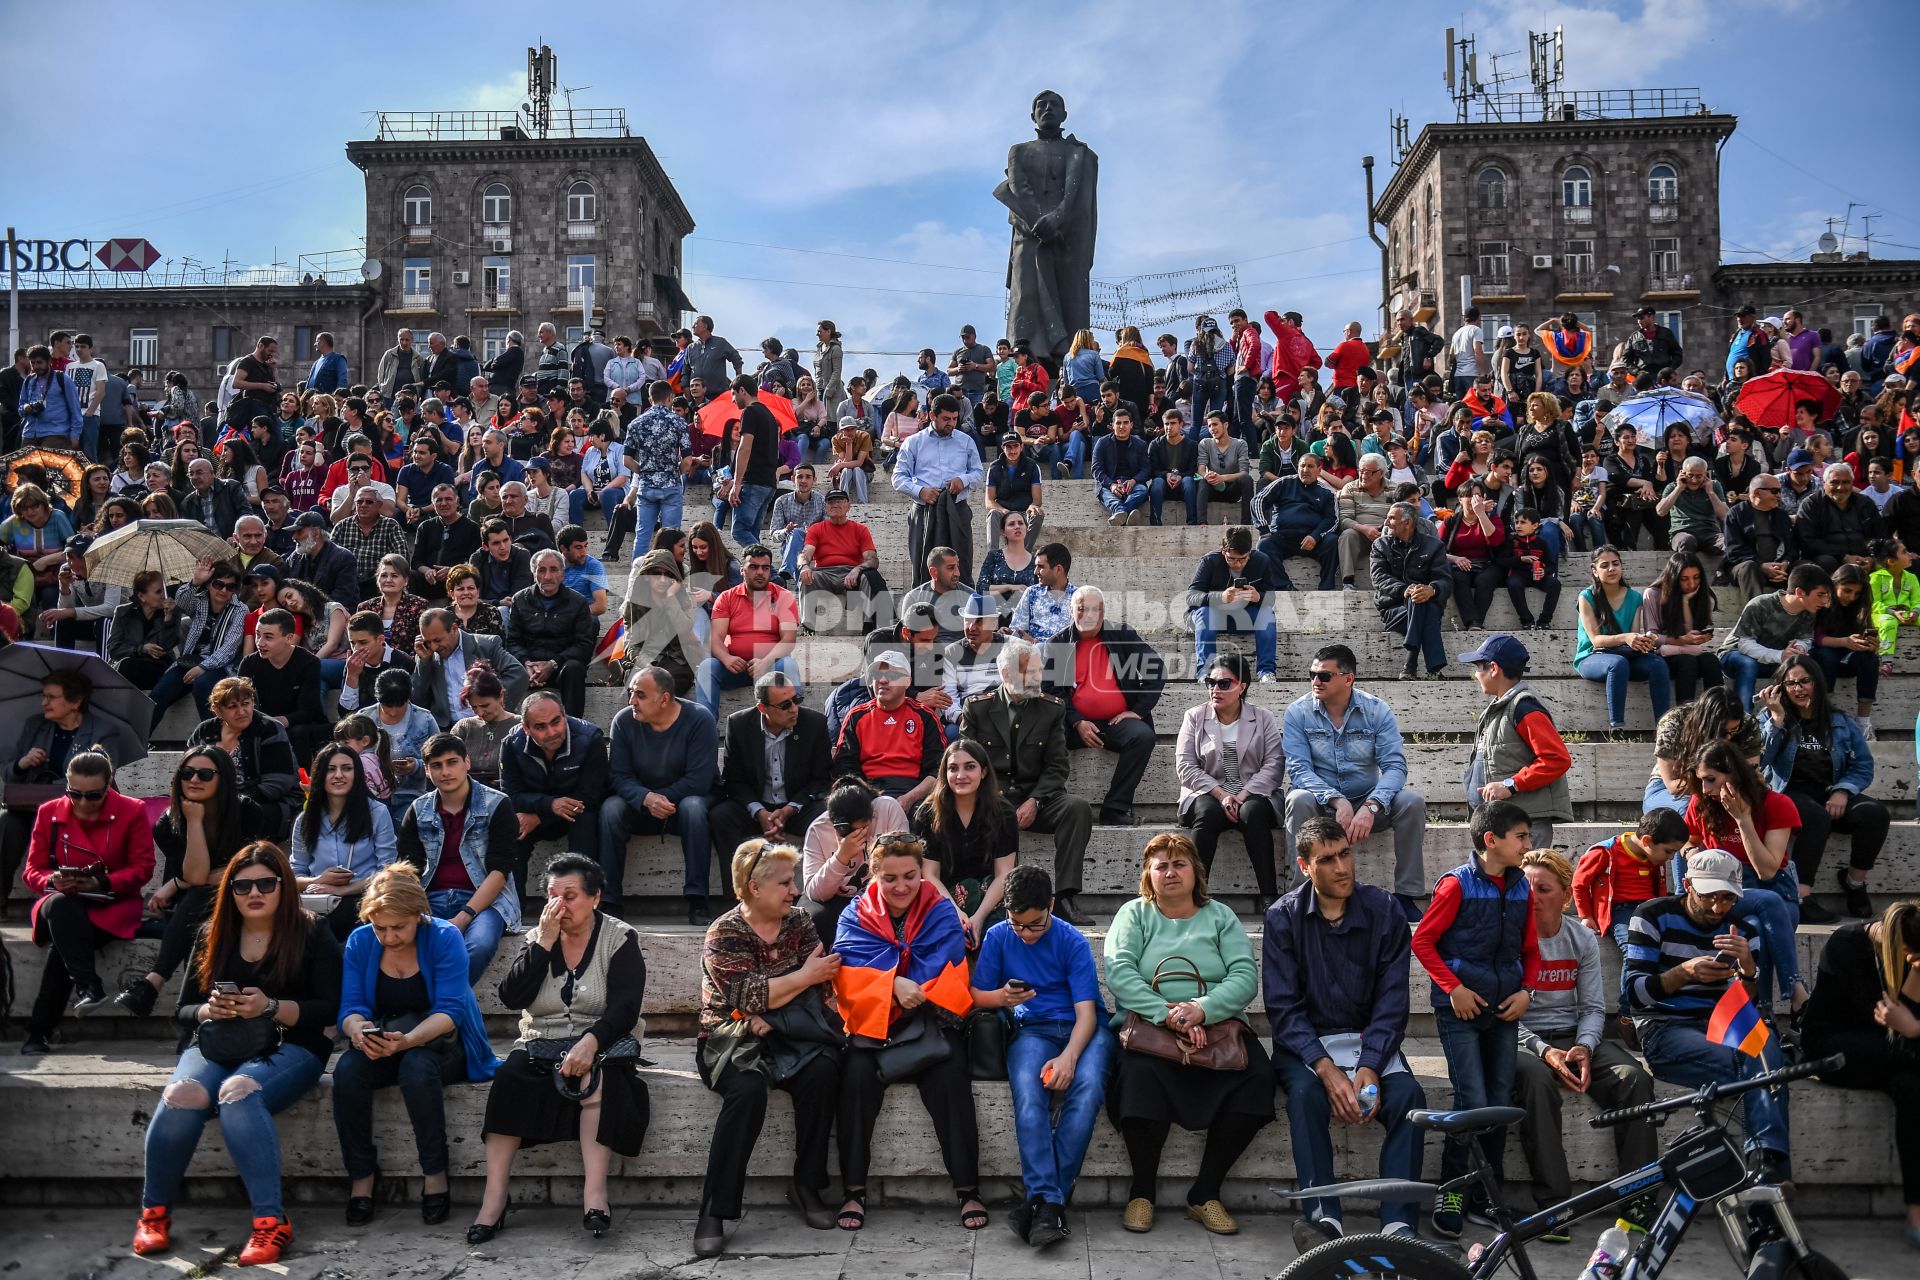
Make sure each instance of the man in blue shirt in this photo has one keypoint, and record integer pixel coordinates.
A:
(1336, 955)
(1041, 971)
(939, 469)
(1229, 592)
(1302, 514)
(49, 404)
(329, 371)
(584, 573)
(1121, 472)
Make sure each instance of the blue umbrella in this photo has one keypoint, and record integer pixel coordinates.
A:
(1652, 412)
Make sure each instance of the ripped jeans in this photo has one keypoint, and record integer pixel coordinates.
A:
(246, 1098)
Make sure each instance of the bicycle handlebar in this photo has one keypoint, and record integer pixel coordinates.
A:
(1715, 1092)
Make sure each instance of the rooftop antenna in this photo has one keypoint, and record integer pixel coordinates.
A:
(1546, 61)
(1463, 72)
(1397, 128)
(542, 75)
(569, 91)
(1866, 235)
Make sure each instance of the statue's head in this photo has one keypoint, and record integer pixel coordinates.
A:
(1049, 109)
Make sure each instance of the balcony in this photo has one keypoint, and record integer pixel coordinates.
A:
(420, 234)
(1682, 284)
(1585, 285)
(493, 300)
(1663, 213)
(1500, 288)
(1577, 214)
(583, 230)
(1492, 216)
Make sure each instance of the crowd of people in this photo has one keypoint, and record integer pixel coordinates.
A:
(414, 551)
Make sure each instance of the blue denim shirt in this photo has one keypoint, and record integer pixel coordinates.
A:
(331, 848)
(481, 803)
(408, 737)
(1362, 759)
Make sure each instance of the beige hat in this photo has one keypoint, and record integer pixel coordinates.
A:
(1713, 871)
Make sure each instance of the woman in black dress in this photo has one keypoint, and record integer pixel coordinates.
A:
(972, 835)
(579, 981)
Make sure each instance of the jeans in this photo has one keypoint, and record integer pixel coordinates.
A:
(483, 933)
(1421, 632)
(1480, 1062)
(1310, 1119)
(422, 1075)
(747, 513)
(1115, 504)
(1206, 635)
(1692, 672)
(1617, 669)
(790, 555)
(1679, 1053)
(246, 1123)
(577, 505)
(689, 821)
(1158, 492)
(1077, 450)
(609, 498)
(173, 686)
(90, 436)
(655, 508)
(1588, 531)
(1053, 1140)
(1743, 673)
(1863, 667)
(711, 678)
(1771, 908)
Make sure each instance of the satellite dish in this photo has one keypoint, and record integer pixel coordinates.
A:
(370, 269)
(1829, 243)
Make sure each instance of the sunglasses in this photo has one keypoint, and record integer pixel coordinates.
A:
(1322, 677)
(195, 773)
(1219, 682)
(262, 885)
(223, 586)
(794, 701)
(84, 797)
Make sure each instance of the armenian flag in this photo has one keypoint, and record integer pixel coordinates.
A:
(1736, 1024)
(930, 951)
(676, 373)
(1570, 349)
(613, 645)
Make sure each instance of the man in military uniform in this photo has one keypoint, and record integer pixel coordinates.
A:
(1025, 734)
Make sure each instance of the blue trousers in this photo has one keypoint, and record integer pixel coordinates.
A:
(1053, 1138)
(247, 1125)
(172, 686)
(1422, 632)
(483, 933)
(1617, 668)
(1743, 673)
(1588, 531)
(712, 678)
(689, 821)
(1135, 499)
(1206, 636)
(1310, 1120)
(1480, 1057)
(656, 508)
(1771, 908)
(1078, 451)
(1158, 492)
(1680, 1053)
(747, 515)
(1326, 552)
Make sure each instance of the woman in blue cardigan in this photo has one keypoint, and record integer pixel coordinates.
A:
(411, 1020)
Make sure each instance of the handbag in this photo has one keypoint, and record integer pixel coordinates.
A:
(911, 1047)
(986, 1045)
(1226, 1047)
(401, 1024)
(550, 1053)
(229, 1042)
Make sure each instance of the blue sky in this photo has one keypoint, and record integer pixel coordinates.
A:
(1228, 133)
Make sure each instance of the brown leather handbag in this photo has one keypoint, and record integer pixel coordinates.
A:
(1226, 1047)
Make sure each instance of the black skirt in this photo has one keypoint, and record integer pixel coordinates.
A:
(524, 1104)
(1195, 1098)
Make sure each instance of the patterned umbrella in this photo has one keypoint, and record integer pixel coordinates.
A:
(58, 469)
(1654, 411)
(173, 547)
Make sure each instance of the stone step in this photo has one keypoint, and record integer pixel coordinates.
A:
(84, 1115)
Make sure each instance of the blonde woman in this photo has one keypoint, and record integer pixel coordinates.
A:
(1082, 368)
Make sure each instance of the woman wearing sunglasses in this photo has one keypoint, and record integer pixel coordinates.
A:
(262, 989)
(92, 841)
(1229, 758)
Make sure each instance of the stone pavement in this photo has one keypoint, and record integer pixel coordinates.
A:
(903, 1244)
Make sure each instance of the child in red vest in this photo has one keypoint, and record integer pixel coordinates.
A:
(1614, 878)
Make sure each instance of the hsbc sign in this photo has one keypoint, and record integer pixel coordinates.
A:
(126, 254)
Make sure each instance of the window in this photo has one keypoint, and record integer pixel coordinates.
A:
(496, 204)
(1491, 188)
(1579, 258)
(659, 242)
(582, 204)
(416, 207)
(1663, 185)
(1491, 323)
(303, 342)
(222, 343)
(1429, 207)
(1493, 260)
(1413, 234)
(574, 333)
(1576, 187)
(1590, 321)
(492, 343)
(1393, 255)
(580, 276)
(416, 282)
(1863, 318)
(1665, 255)
(1672, 320)
(143, 348)
(496, 281)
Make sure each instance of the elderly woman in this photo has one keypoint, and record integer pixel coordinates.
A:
(341, 839)
(409, 1019)
(902, 989)
(764, 1025)
(1181, 961)
(262, 989)
(573, 1073)
(37, 534)
(90, 856)
(834, 866)
(399, 609)
(1229, 759)
(33, 769)
(474, 614)
(261, 751)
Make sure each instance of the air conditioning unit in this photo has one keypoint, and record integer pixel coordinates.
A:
(502, 245)
(1542, 261)
(462, 277)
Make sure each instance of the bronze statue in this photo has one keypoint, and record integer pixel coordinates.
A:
(1049, 194)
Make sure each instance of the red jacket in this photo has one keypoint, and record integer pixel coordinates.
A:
(122, 838)
(1347, 360)
(1292, 354)
(1027, 381)
(1604, 864)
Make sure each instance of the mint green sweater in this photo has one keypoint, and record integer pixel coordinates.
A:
(1213, 939)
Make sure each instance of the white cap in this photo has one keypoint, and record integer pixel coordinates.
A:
(1713, 871)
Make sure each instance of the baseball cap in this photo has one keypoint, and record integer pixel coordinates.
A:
(77, 545)
(1012, 437)
(311, 520)
(1509, 654)
(1713, 871)
(979, 605)
(891, 660)
(1799, 458)
(261, 569)
(1773, 321)
(837, 495)
(1506, 331)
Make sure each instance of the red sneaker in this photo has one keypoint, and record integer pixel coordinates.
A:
(154, 1234)
(269, 1240)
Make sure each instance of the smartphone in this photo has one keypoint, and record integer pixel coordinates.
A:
(1238, 583)
(227, 988)
(1017, 984)
(1726, 958)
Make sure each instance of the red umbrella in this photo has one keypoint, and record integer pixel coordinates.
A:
(1769, 400)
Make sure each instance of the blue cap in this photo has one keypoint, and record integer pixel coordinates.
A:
(980, 605)
(1509, 654)
(1799, 458)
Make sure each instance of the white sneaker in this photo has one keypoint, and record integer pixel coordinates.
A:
(1138, 517)
(1115, 519)
(1398, 1229)
(1865, 724)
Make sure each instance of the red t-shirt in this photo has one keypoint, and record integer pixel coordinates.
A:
(1096, 694)
(1776, 813)
(1346, 360)
(253, 620)
(836, 545)
(452, 872)
(752, 628)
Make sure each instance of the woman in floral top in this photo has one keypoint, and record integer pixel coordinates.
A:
(765, 1004)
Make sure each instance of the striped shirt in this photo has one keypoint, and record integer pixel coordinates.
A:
(1661, 937)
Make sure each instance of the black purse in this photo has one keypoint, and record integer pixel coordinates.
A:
(403, 1024)
(550, 1053)
(914, 1045)
(987, 1045)
(229, 1042)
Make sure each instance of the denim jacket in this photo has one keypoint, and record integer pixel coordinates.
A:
(481, 803)
(1852, 758)
(1363, 759)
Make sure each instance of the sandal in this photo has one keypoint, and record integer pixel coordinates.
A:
(972, 1219)
(856, 1216)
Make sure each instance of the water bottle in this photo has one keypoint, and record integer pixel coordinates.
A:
(1369, 1100)
(1609, 1255)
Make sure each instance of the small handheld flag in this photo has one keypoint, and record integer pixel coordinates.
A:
(1736, 1023)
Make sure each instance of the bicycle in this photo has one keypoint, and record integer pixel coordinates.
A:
(1702, 1166)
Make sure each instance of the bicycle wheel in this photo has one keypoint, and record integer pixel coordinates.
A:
(1815, 1266)
(1377, 1257)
